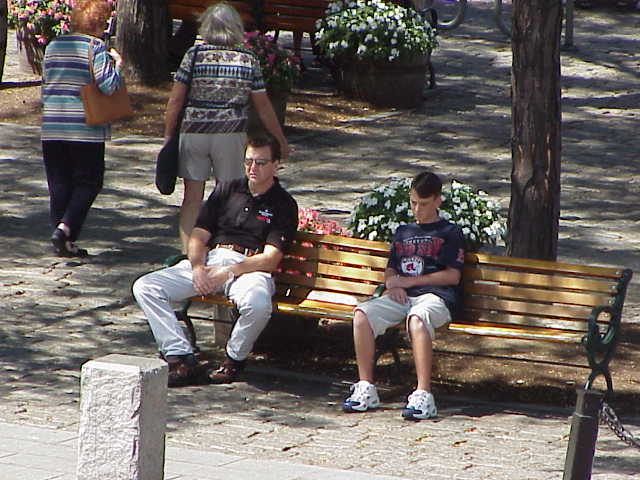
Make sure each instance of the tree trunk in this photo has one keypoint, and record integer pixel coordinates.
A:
(141, 38)
(536, 142)
(3, 35)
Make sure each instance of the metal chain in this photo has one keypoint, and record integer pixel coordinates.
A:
(608, 416)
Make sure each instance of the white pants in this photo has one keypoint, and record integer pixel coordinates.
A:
(383, 312)
(251, 293)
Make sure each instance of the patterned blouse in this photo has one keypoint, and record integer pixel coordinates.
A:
(66, 69)
(223, 79)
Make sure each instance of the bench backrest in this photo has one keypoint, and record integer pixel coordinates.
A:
(538, 299)
(330, 268)
(294, 15)
(192, 9)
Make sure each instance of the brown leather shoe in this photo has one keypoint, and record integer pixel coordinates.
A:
(227, 373)
(183, 370)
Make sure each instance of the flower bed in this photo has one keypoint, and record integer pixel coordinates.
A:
(378, 213)
(309, 220)
(280, 68)
(373, 30)
(379, 51)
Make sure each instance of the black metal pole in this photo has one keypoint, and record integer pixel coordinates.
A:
(584, 433)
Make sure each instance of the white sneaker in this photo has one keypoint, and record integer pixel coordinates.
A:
(363, 397)
(420, 405)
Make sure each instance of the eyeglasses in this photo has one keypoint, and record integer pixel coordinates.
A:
(260, 162)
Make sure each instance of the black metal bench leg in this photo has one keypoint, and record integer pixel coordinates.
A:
(595, 373)
(183, 316)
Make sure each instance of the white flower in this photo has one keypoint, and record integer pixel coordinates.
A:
(373, 235)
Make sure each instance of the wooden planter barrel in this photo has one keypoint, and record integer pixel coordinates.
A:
(398, 84)
(30, 52)
(279, 101)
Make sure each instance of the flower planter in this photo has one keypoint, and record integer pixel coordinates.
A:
(279, 101)
(398, 83)
(30, 52)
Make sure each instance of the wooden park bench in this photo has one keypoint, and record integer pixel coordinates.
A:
(291, 15)
(324, 276)
(191, 9)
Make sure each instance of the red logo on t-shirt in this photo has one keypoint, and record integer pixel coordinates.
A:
(264, 216)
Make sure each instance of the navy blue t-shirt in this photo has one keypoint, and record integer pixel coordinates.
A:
(423, 248)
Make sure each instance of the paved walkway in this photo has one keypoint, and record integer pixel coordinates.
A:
(58, 314)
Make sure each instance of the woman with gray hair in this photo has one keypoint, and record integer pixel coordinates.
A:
(216, 93)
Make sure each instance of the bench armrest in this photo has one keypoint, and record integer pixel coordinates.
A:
(173, 259)
(595, 341)
(379, 291)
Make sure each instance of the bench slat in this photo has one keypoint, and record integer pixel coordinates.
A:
(536, 295)
(542, 310)
(294, 11)
(522, 334)
(349, 273)
(347, 242)
(350, 287)
(482, 317)
(327, 255)
(320, 5)
(192, 9)
(309, 308)
(541, 265)
(540, 280)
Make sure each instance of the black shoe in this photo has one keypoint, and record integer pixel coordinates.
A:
(183, 370)
(63, 247)
(227, 373)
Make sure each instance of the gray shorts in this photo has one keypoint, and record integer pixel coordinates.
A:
(205, 154)
(383, 312)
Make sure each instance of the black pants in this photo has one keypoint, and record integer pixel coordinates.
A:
(75, 173)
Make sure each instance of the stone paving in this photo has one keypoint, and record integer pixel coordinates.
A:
(57, 314)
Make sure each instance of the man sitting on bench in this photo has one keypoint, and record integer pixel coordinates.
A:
(239, 238)
(422, 280)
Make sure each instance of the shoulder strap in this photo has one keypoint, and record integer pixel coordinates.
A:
(193, 64)
(93, 76)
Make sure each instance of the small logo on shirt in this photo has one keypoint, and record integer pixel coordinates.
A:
(264, 216)
(412, 266)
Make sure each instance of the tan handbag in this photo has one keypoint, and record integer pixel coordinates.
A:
(100, 109)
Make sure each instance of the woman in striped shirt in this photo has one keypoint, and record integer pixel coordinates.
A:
(73, 151)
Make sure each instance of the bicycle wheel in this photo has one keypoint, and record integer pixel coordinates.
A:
(450, 12)
(503, 14)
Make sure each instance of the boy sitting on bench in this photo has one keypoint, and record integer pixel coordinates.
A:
(422, 287)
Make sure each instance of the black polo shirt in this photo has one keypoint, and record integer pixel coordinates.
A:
(233, 215)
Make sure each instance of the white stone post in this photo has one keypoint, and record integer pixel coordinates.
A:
(123, 410)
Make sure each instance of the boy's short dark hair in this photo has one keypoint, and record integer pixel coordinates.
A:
(258, 141)
(426, 184)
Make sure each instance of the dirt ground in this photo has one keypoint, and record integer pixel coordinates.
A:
(312, 106)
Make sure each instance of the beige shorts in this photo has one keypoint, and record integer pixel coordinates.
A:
(384, 313)
(220, 155)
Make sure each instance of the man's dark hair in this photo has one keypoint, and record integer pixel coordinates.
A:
(259, 141)
(426, 184)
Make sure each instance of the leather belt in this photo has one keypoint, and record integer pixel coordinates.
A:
(248, 252)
